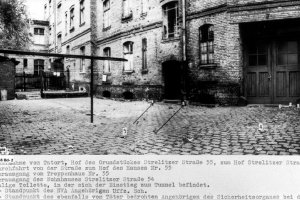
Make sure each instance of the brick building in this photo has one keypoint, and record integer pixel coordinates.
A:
(39, 37)
(246, 48)
(70, 32)
(147, 33)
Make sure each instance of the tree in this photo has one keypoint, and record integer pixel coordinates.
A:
(14, 25)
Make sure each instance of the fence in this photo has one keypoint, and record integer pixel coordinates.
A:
(48, 80)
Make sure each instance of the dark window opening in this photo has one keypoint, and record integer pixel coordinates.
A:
(39, 31)
(144, 54)
(25, 63)
(287, 53)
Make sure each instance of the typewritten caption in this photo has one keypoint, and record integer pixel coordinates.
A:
(149, 177)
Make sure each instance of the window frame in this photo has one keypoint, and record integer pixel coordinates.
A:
(107, 63)
(106, 14)
(206, 40)
(166, 9)
(59, 10)
(82, 13)
(144, 54)
(72, 16)
(38, 64)
(126, 10)
(37, 31)
(128, 54)
(82, 61)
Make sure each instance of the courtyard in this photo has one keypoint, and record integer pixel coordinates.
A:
(62, 126)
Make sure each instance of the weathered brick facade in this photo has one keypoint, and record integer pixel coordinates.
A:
(224, 80)
(7, 76)
(140, 25)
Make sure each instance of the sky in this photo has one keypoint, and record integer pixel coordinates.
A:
(35, 9)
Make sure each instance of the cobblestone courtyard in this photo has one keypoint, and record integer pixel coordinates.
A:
(62, 126)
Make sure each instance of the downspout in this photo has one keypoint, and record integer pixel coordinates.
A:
(184, 62)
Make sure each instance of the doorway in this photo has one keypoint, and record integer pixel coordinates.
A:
(172, 79)
(273, 71)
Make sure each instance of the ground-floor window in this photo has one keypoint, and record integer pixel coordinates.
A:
(38, 66)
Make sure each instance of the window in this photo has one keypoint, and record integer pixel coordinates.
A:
(126, 9)
(106, 66)
(25, 63)
(82, 12)
(50, 5)
(128, 54)
(66, 23)
(144, 54)
(72, 19)
(82, 61)
(287, 53)
(207, 44)
(144, 6)
(68, 49)
(38, 66)
(170, 20)
(59, 42)
(39, 31)
(257, 55)
(45, 12)
(59, 13)
(106, 13)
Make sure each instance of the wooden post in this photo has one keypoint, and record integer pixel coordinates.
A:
(92, 91)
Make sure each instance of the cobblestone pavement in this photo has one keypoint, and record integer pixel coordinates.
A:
(61, 126)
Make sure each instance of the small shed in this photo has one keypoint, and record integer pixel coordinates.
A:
(7, 77)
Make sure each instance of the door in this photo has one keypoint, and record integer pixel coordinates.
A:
(258, 73)
(272, 71)
(286, 71)
(172, 79)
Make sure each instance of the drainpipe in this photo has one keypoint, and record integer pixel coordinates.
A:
(184, 63)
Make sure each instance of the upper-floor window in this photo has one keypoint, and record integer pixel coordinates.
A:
(106, 13)
(128, 54)
(126, 9)
(207, 44)
(82, 8)
(170, 20)
(72, 18)
(106, 66)
(45, 12)
(144, 53)
(66, 22)
(82, 61)
(39, 31)
(50, 6)
(144, 6)
(68, 49)
(59, 13)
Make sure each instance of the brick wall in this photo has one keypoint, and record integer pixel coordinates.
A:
(223, 82)
(7, 78)
(142, 25)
